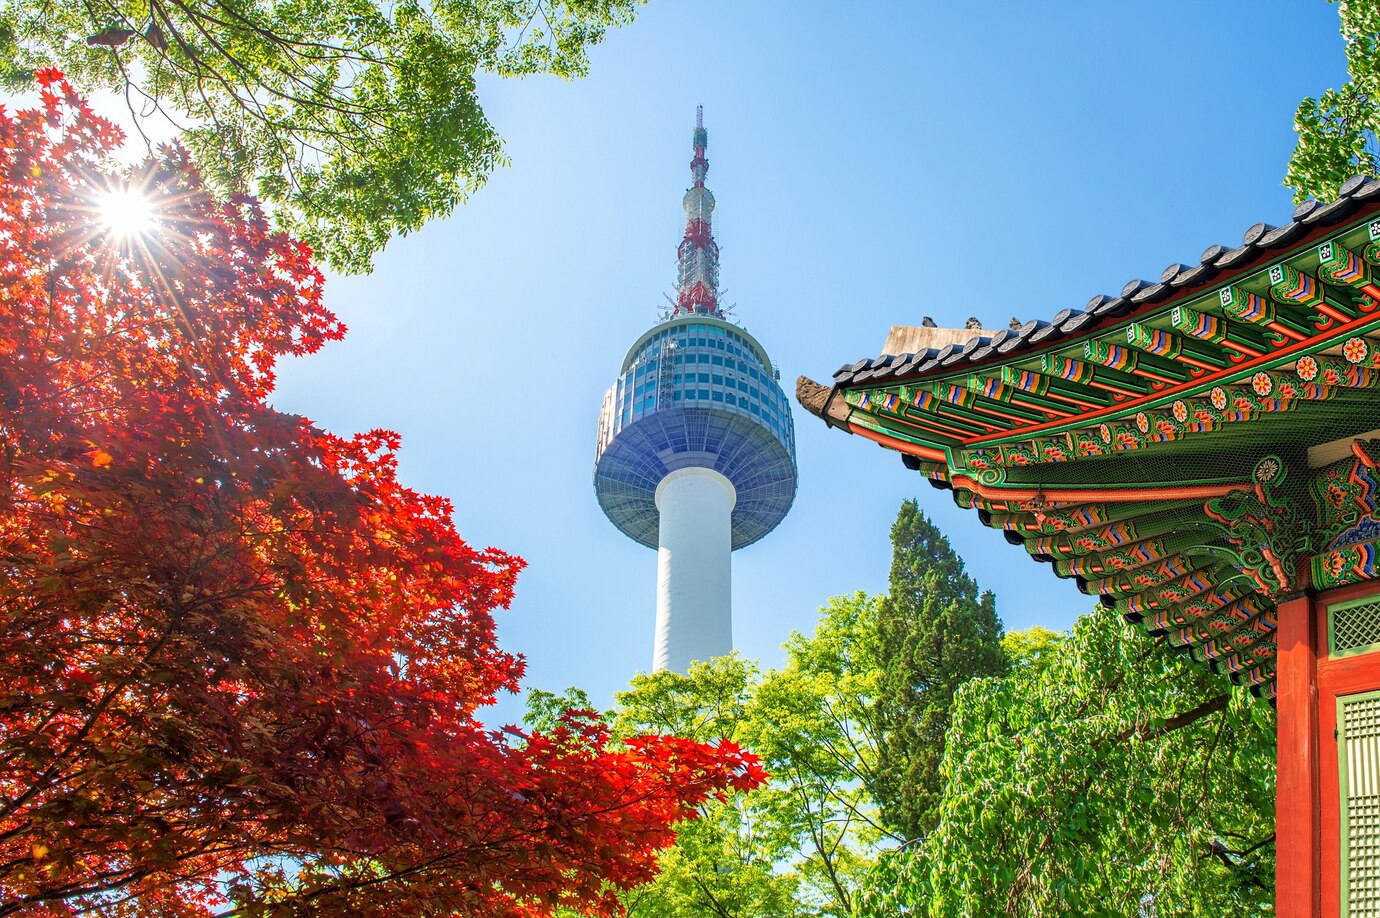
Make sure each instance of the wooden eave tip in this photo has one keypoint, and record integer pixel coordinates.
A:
(811, 395)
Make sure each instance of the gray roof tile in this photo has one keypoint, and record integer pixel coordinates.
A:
(1331, 213)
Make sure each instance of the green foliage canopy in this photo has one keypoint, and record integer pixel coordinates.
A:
(1033, 647)
(1337, 131)
(860, 706)
(1114, 779)
(356, 120)
(803, 845)
(1091, 773)
(724, 864)
(810, 724)
(934, 633)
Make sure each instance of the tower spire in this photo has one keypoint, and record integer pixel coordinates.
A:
(695, 465)
(697, 280)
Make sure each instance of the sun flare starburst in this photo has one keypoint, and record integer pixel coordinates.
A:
(126, 212)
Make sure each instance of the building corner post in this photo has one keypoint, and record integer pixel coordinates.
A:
(1298, 810)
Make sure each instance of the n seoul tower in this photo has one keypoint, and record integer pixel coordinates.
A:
(696, 447)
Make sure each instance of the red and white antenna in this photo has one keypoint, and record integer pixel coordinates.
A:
(697, 276)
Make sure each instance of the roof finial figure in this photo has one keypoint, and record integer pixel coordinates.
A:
(697, 275)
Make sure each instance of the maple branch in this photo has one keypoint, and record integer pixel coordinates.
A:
(44, 780)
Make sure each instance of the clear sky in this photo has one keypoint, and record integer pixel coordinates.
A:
(872, 163)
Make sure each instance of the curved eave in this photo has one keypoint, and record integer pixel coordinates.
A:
(1100, 440)
(1213, 337)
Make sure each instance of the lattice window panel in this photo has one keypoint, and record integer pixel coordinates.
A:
(1354, 628)
(1359, 722)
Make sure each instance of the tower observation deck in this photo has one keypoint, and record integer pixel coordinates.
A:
(695, 452)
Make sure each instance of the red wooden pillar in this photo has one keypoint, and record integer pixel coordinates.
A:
(1298, 808)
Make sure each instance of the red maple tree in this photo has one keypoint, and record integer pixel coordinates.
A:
(239, 662)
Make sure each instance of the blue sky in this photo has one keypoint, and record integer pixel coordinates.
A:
(872, 163)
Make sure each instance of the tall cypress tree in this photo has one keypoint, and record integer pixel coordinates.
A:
(935, 632)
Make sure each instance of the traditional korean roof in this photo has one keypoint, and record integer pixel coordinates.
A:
(1154, 445)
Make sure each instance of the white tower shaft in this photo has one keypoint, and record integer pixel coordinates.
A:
(694, 569)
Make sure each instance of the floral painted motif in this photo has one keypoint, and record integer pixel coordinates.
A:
(979, 460)
(1307, 368)
(1090, 542)
(1347, 565)
(1019, 454)
(1355, 350)
(1262, 383)
(1089, 445)
(1142, 422)
(1219, 397)
(1180, 411)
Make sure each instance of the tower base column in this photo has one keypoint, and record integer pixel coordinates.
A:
(694, 568)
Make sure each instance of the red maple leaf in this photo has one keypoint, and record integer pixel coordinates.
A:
(243, 661)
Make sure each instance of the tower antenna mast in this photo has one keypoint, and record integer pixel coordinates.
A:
(697, 258)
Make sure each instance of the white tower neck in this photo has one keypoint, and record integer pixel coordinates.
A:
(694, 619)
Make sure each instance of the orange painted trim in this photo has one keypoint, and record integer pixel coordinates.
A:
(1109, 495)
(1158, 377)
(1043, 409)
(1113, 388)
(901, 446)
(1331, 311)
(1297, 792)
(1346, 594)
(1195, 362)
(1286, 331)
(1242, 349)
(998, 413)
(929, 423)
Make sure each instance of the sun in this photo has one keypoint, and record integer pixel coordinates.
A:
(126, 212)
